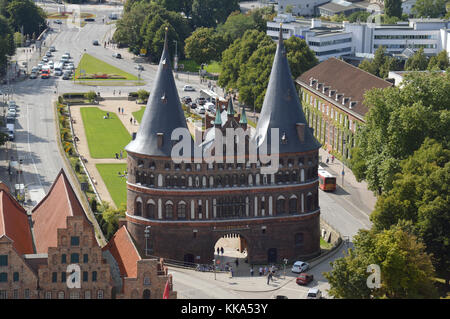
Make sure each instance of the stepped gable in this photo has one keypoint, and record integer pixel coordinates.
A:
(52, 211)
(282, 109)
(162, 115)
(122, 248)
(14, 223)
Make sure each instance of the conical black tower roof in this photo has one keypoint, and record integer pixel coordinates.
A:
(163, 113)
(282, 109)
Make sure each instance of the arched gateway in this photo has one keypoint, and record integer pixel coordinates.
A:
(187, 206)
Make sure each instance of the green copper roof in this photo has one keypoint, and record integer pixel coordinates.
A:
(218, 119)
(230, 110)
(243, 117)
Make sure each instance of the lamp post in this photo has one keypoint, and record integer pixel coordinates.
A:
(147, 236)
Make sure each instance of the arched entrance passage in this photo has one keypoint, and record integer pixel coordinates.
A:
(231, 250)
(146, 294)
(272, 255)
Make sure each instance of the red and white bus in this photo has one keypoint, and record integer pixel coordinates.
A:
(327, 182)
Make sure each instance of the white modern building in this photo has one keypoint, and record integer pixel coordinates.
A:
(335, 40)
(300, 7)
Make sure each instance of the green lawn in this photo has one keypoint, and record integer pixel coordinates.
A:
(105, 136)
(91, 65)
(191, 66)
(324, 244)
(139, 114)
(116, 185)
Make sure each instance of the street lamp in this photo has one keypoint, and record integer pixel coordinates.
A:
(147, 236)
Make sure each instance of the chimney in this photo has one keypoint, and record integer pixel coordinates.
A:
(160, 139)
(301, 131)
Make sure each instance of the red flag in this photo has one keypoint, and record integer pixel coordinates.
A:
(166, 290)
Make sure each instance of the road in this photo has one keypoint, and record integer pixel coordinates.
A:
(36, 144)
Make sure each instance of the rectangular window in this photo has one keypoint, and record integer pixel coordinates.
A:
(94, 276)
(75, 241)
(3, 260)
(48, 295)
(63, 259)
(74, 258)
(3, 276)
(27, 293)
(16, 276)
(54, 277)
(85, 258)
(3, 294)
(16, 294)
(63, 276)
(85, 276)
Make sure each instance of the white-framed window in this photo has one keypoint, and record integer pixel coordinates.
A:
(48, 295)
(100, 294)
(74, 295)
(61, 295)
(87, 294)
(147, 281)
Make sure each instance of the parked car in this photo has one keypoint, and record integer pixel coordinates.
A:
(45, 75)
(66, 75)
(52, 49)
(45, 59)
(33, 75)
(139, 67)
(35, 69)
(314, 293)
(299, 267)
(48, 54)
(95, 42)
(280, 297)
(201, 110)
(117, 55)
(188, 88)
(89, 19)
(193, 105)
(186, 99)
(11, 103)
(58, 21)
(201, 101)
(304, 279)
(210, 106)
(11, 113)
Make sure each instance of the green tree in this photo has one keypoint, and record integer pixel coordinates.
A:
(109, 218)
(25, 14)
(420, 194)
(254, 75)
(202, 45)
(429, 8)
(236, 25)
(417, 62)
(360, 16)
(440, 61)
(7, 47)
(381, 64)
(405, 267)
(398, 121)
(91, 96)
(209, 13)
(393, 8)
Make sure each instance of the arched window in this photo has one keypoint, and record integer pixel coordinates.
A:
(235, 179)
(168, 181)
(309, 202)
(219, 181)
(138, 207)
(151, 180)
(243, 179)
(298, 239)
(183, 181)
(281, 205)
(293, 205)
(167, 166)
(169, 210)
(150, 209)
(294, 176)
(181, 210)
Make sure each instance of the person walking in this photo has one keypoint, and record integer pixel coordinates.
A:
(269, 277)
(131, 120)
(260, 271)
(332, 159)
(236, 262)
(114, 92)
(118, 109)
(251, 271)
(122, 111)
(265, 270)
(231, 272)
(328, 159)
(134, 121)
(121, 154)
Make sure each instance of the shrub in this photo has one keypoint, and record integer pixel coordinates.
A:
(91, 96)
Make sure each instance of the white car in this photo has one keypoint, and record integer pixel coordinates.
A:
(188, 88)
(314, 293)
(201, 110)
(299, 267)
(210, 106)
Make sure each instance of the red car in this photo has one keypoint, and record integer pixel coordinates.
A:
(304, 279)
(45, 76)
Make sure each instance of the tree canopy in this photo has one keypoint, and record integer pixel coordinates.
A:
(23, 13)
(398, 121)
(417, 62)
(393, 8)
(429, 8)
(381, 64)
(247, 63)
(209, 13)
(405, 267)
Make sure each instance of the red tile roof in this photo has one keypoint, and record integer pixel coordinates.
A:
(52, 212)
(345, 79)
(122, 247)
(14, 224)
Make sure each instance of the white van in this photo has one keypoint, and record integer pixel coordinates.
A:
(58, 68)
(10, 130)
